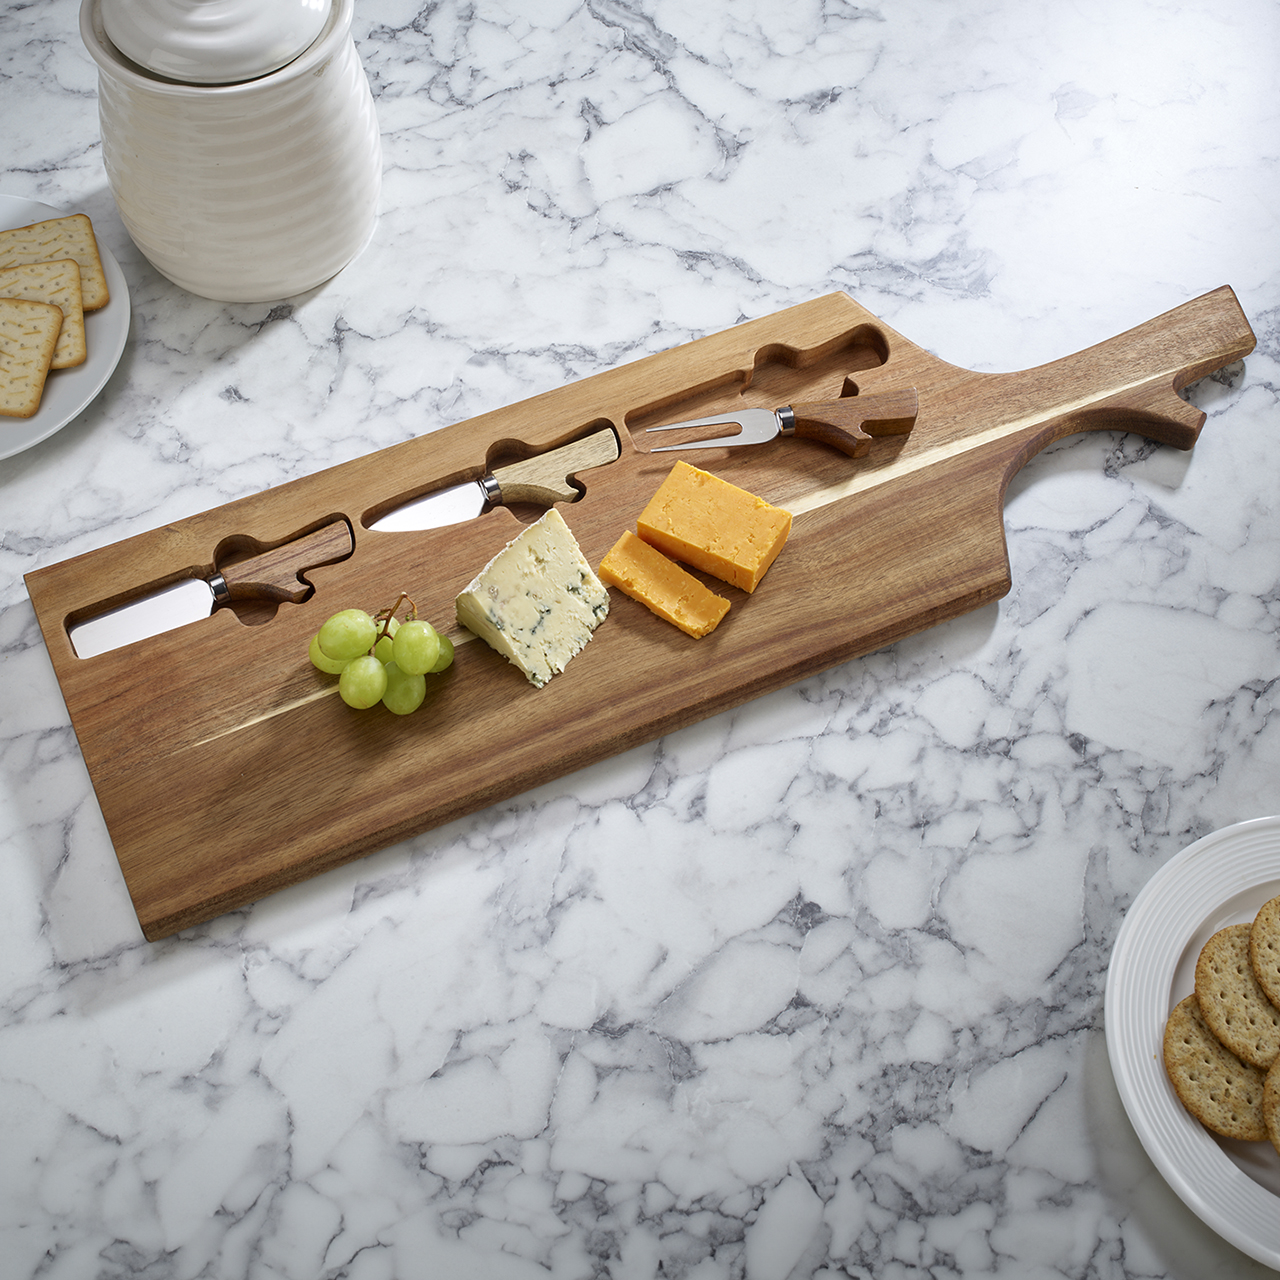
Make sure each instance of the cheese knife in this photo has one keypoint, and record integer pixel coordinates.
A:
(542, 479)
(275, 574)
(847, 424)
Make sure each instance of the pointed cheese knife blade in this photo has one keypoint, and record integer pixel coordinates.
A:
(846, 424)
(444, 507)
(270, 575)
(542, 479)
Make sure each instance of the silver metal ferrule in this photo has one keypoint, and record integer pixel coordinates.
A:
(218, 585)
(491, 489)
(786, 421)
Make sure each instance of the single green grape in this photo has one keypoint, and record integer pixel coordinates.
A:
(417, 647)
(363, 682)
(404, 692)
(347, 635)
(384, 650)
(329, 665)
(445, 660)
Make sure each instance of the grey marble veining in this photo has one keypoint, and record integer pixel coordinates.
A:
(812, 989)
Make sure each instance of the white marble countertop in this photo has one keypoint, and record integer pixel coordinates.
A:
(814, 988)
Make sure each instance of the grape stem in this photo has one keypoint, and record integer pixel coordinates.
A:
(384, 616)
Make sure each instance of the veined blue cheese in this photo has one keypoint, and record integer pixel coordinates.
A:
(537, 601)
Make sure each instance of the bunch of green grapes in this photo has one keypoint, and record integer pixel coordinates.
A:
(379, 659)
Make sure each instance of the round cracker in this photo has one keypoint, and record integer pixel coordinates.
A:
(1222, 1092)
(1233, 1004)
(1264, 949)
(1271, 1104)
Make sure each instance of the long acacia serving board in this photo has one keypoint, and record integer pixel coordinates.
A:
(227, 767)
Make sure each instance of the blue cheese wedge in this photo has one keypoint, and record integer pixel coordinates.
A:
(537, 601)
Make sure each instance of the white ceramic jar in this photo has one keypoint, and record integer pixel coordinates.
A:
(248, 192)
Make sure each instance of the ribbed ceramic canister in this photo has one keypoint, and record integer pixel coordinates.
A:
(248, 192)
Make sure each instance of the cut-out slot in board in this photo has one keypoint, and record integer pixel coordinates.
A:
(247, 577)
(518, 463)
(778, 372)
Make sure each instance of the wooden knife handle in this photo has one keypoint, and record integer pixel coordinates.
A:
(276, 574)
(850, 423)
(545, 478)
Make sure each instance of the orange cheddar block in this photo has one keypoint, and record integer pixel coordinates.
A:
(714, 526)
(645, 574)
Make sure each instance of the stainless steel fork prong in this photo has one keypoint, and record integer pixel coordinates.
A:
(758, 425)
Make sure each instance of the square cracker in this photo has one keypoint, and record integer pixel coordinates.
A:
(69, 237)
(59, 283)
(28, 336)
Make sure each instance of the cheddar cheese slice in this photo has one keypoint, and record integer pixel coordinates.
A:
(661, 585)
(714, 526)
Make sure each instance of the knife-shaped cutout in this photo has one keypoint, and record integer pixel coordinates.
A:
(847, 424)
(542, 479)
(273, 575)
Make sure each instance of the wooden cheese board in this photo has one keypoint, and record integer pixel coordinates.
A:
(227, 767)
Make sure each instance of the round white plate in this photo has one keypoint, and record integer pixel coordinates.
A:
(1220, 880)
(68, 391)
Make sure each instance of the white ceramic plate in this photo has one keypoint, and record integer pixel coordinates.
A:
(68, 391)
(1220, 880)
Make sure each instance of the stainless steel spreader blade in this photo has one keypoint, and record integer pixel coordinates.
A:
(175, 606)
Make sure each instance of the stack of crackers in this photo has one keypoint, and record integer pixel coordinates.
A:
(1222, 1043)
(50, 275)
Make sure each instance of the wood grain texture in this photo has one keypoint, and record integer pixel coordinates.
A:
(216, 792)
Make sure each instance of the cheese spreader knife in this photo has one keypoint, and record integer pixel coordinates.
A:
(847, 424)
(270, 575)
(542, 479)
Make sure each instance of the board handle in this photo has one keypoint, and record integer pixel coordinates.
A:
(1129, 382)
(545, 479)
(1145, 368)
(850, 423)
(276, 574)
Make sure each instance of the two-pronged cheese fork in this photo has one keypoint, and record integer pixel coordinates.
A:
(847, 424)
